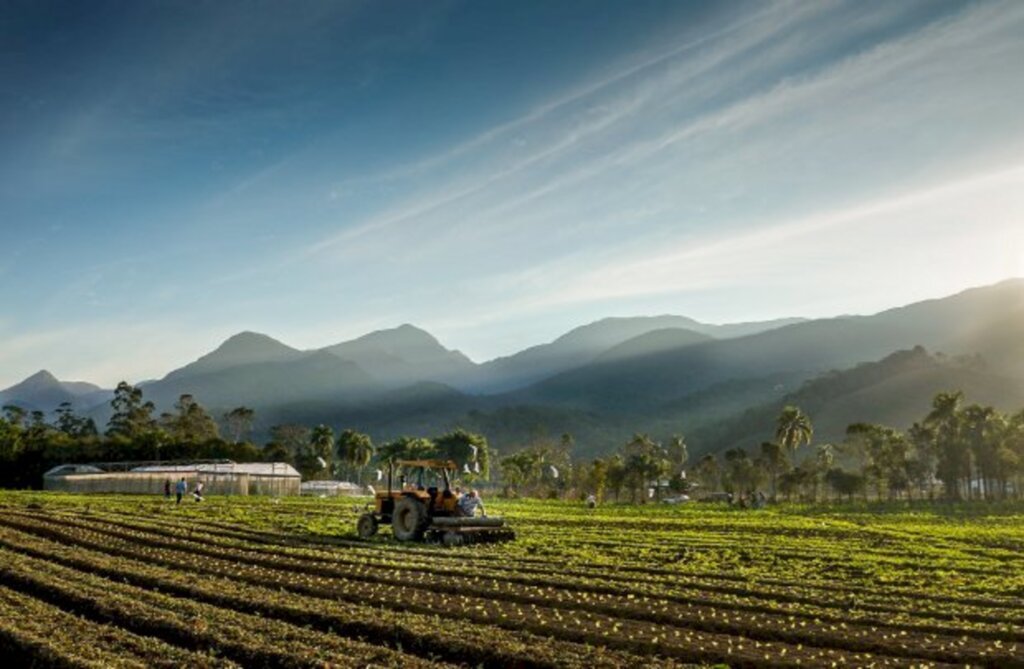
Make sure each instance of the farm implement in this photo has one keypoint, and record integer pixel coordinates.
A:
(429, 509)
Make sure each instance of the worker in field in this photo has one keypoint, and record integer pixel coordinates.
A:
(180, 489)
(167, 488)
(198, 492)
(469, 503)
(591, 501)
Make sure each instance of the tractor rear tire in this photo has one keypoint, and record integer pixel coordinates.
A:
(410, 520)
(366, 526)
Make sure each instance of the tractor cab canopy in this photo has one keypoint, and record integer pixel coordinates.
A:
(424, 474)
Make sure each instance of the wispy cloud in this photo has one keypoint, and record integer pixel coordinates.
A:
(741, 169)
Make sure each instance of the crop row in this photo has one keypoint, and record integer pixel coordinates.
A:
(248, 640)
(638, 626)
(838, 563)
(433, 635)
(999, 624)
(35, 633)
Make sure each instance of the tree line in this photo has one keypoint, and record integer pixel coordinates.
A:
(956, 451)
(32, 443)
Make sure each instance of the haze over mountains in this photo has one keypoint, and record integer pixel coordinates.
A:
(605, 380)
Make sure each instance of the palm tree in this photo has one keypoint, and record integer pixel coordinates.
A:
(775, 459)
(984, 428)
(708, 473)
(946, 419)
(793, 428)
(355, 449)
(678, 453)
(321, 449)
(824, 458)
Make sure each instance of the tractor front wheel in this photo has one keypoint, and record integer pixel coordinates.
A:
(409, 521)
(366, 526)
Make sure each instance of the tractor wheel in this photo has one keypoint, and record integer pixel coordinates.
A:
(409, 520)
(366, 526)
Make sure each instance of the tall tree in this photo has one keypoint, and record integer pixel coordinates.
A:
(824, 458)
(597, 478)
(742, 475)
(191, 423)
(953, 458)
(708, 473)
(925, 457)
(15, 415)
(616, 475)
(239, 423)
(646, 463)
(466, 448)
(983, 430)
(72, 424)
(286, 443)
(792, 429)
(132, 417)
(406, 448)
(315, 457)
(775, 460)
(355, 449)
(678, 454)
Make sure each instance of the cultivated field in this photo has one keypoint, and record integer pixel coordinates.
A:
(131, 581)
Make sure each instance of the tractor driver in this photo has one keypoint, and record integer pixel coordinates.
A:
(469, 503)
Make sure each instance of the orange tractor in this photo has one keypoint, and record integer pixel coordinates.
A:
(428, 510)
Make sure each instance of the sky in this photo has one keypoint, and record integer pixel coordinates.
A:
(497, 173)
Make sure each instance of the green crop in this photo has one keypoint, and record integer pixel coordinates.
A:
(267, 582)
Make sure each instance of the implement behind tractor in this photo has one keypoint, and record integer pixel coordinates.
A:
(429, 509)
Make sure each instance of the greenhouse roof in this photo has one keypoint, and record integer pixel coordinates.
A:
(255, 468)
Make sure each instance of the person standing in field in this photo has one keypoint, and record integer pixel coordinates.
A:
(198, 492)
(167, 488)
(181, 489)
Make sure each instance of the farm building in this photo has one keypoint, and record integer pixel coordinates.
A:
(332, 489)
(220, 478)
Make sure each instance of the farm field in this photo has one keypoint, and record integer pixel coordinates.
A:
(100, 581)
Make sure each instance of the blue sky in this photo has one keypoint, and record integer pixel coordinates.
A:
(495, 172)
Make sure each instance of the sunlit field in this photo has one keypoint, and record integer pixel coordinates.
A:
(134, 581)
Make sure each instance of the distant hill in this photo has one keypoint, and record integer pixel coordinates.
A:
(895, 391)
(650, 343)
(987, 321)
(314, 377)
(608, 379)
(44, 392)
(244, 348)
(406, 355)
(585, 344)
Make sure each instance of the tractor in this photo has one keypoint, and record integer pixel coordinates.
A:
(428, 509)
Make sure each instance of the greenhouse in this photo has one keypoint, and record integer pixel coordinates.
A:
(218, 478)
(332, 489)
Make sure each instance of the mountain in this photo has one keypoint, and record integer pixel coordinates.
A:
(988, 321)
(895, 391)
(44, 392)
(656, 341)
(244, 348)
(406, 355)
(585, 344)
(313, 377)
(608, 379)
